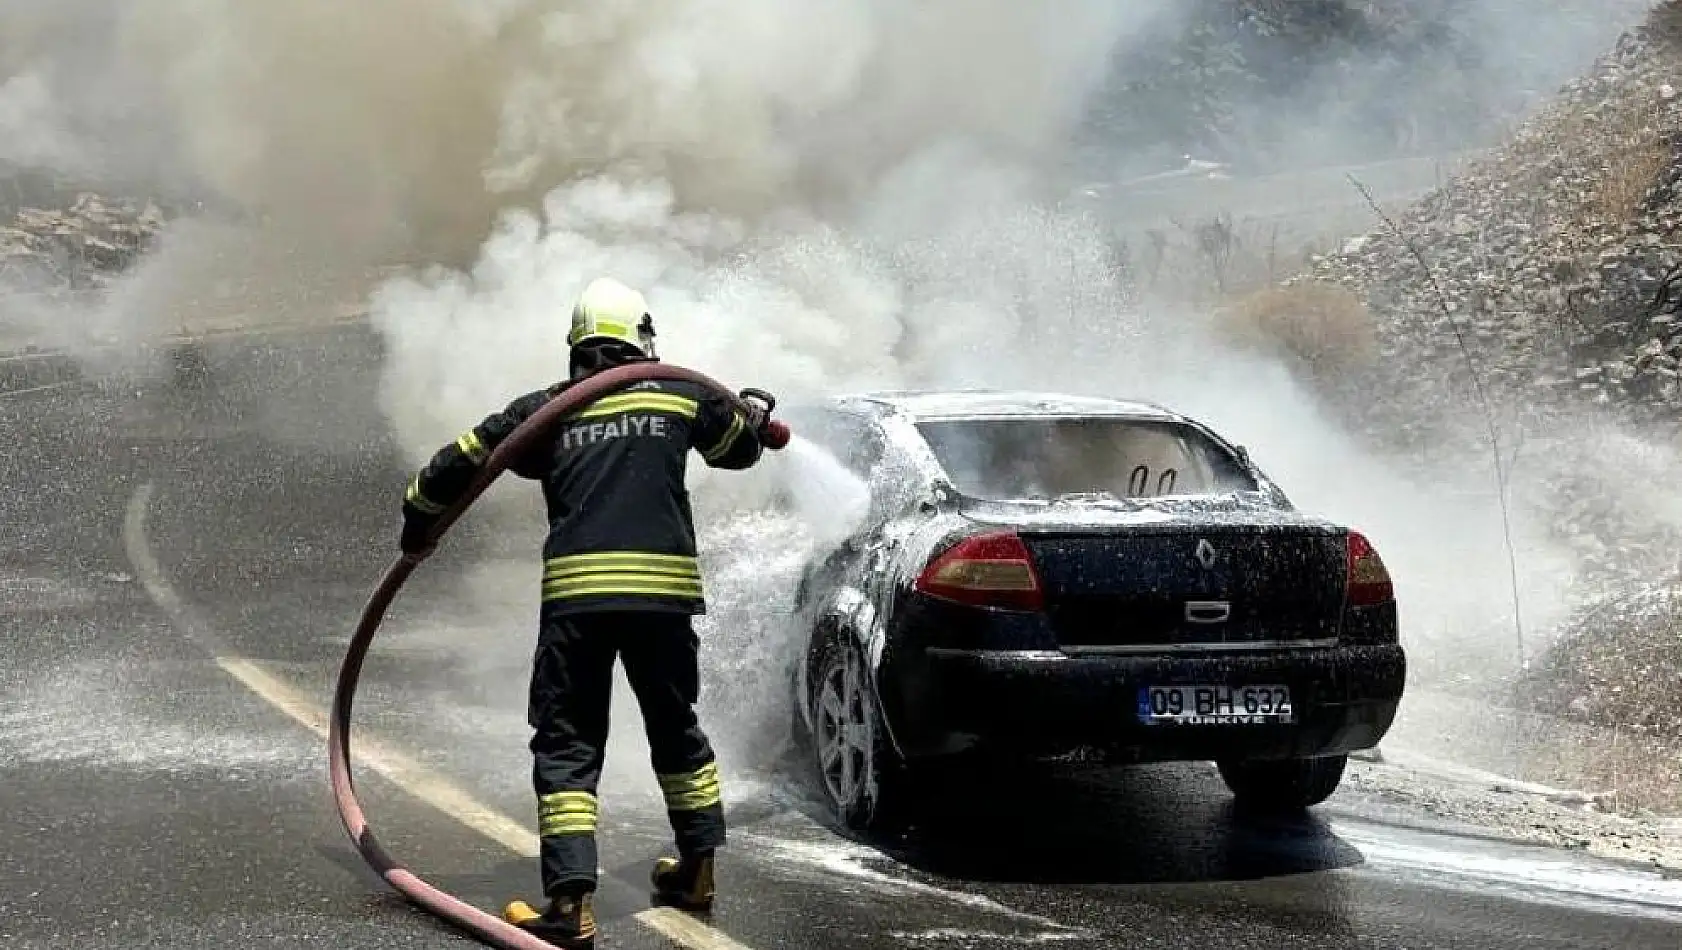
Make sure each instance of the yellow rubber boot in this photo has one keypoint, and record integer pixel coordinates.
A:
(568, 923)
(686, 884)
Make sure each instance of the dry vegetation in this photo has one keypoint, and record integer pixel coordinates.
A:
(1631, 139)
(1324, 328)
(1665, 22)
(1626, 769)
(1625, 666)
(1636, 164)
(1210, 259)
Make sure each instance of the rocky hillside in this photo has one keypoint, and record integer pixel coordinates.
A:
(1545, 281)
(1541, 291)
(80, 245)
(1270, 84)
(1558, 257)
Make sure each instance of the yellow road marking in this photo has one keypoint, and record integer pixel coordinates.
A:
(408, 774)
(402, 770)
(686, 931)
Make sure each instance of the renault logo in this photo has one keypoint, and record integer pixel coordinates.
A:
(1205, 553)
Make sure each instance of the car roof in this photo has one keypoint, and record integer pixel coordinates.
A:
(932, 405)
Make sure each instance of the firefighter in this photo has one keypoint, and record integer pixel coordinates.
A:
(620, 582)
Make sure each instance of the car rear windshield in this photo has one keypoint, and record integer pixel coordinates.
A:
(1052, 458)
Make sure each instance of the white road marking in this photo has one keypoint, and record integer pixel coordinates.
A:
(139, 550)
(400, 769)
(8, 393)
(1532, 874)
(969, 938)
(843, 860)
(348, 315)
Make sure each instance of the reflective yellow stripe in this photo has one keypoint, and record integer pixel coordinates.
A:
(692, 791)
(609, 584)
(621, 591)
(640, 402)
(579, 824)
(607, 573)
(414, 497)
(667, 565)
(624, 566)
(472, 447)
(584, 574)
(566, 813)
(626, 590)
(623, 577)
(648, 556)
(737, 424)
(608, 327)
(682, 781)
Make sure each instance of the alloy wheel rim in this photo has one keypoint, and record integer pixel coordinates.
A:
(843, 731)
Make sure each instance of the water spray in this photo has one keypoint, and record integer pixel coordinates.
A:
(485, 926)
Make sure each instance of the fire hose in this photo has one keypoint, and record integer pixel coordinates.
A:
(487, 927)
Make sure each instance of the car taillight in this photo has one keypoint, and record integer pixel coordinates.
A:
(1369, 580)
(985, 570)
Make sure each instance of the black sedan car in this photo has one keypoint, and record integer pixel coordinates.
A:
(1083, 579)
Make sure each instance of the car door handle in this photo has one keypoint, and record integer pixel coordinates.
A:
(1208, 611)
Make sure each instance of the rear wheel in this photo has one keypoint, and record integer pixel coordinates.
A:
(861, 774)
(1283, 785)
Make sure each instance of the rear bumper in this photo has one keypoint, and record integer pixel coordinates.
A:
(1048, 702)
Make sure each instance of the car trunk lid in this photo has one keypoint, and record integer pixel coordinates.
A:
(1136, 577)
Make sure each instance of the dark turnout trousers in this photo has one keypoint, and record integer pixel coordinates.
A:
(572, 681)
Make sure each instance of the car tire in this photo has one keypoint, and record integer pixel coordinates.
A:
(857, 769)
(1283, 785)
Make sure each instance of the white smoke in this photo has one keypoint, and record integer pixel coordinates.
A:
(815, 195)
(30, 133)
(808, 193)
(857, 201)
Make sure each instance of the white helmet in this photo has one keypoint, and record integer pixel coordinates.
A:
(609, 310)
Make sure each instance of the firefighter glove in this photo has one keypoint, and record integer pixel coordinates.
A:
(415, 541)
(757, 405)
(757, 417)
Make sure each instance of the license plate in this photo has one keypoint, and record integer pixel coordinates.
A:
(1215, 705)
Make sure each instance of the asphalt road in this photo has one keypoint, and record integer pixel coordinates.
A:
(181, 567)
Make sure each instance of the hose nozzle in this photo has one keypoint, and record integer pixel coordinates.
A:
(773, 434)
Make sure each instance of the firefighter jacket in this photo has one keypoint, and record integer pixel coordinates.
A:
(621, 532)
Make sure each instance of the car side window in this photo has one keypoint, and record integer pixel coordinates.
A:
(853, 440)
(864, 448)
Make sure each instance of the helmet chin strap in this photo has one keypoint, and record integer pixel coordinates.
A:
(645, 333)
